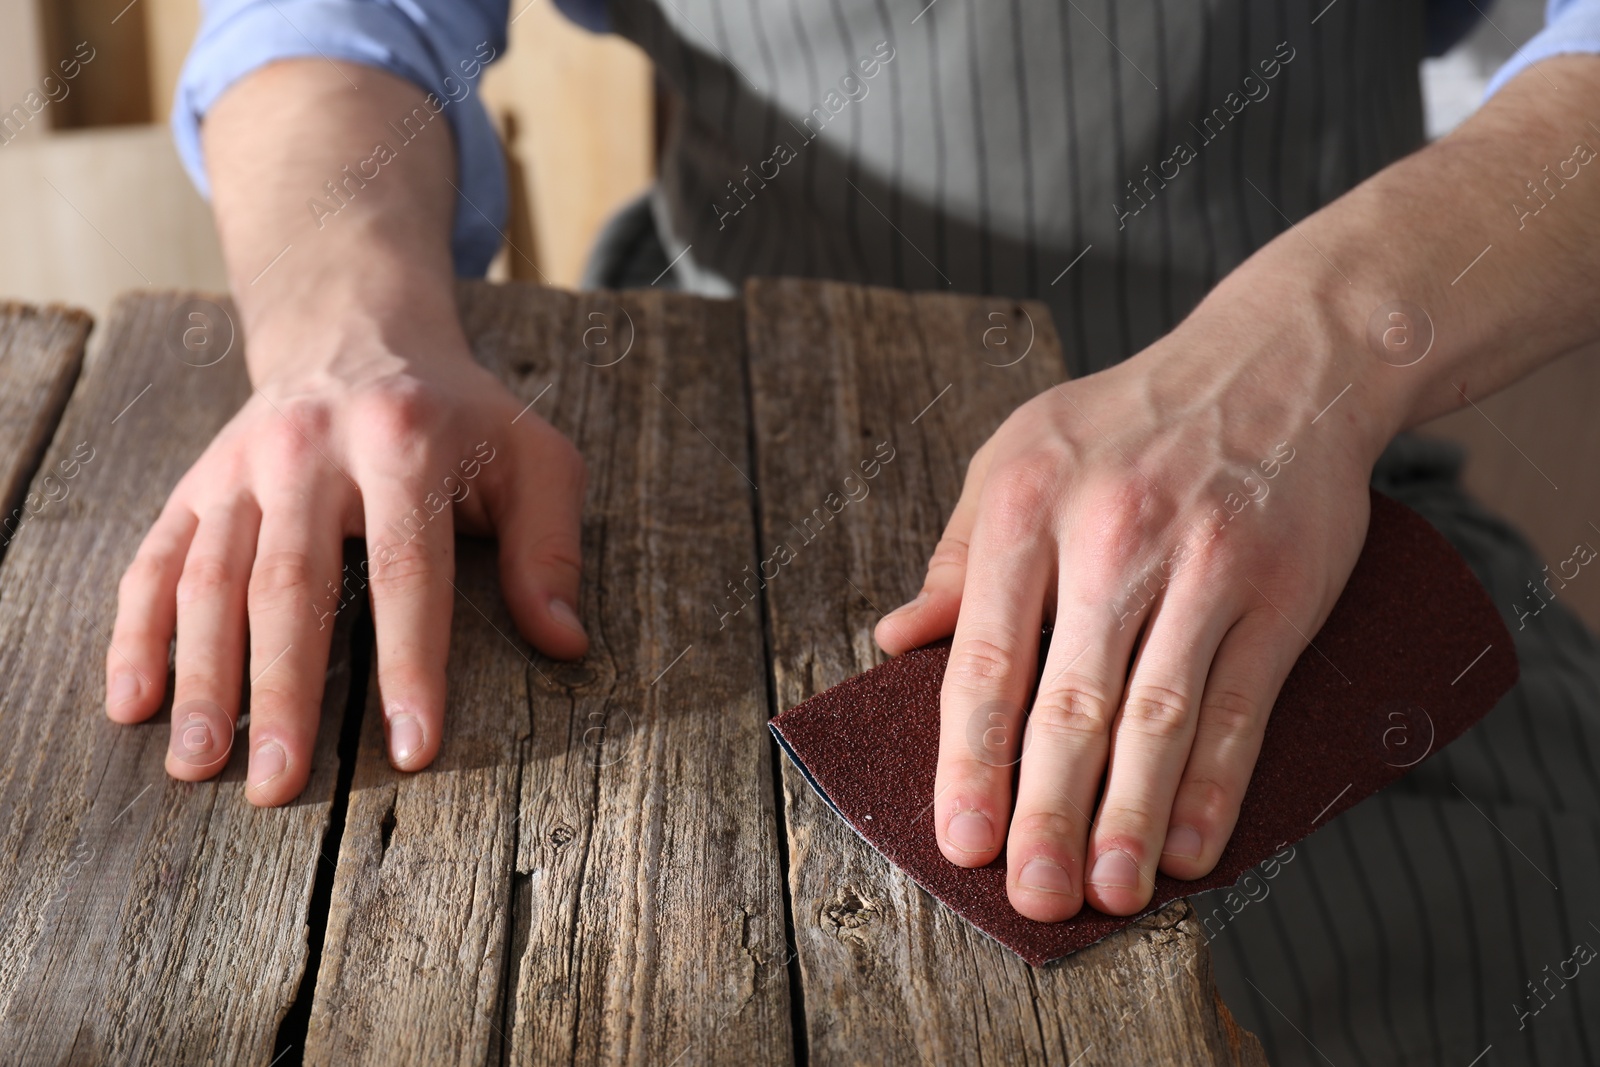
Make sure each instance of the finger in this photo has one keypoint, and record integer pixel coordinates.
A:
(1250, 667)
(411, 560)
(932, 613)
(147, 612)
(1150, 743)
(211, 627)
(536, 505)
(991, 671)
(1065, 747)
(297, 561)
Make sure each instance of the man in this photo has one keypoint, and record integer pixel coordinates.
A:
(1137, 165)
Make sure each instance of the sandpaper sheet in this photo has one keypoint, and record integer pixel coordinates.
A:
(1411, 656)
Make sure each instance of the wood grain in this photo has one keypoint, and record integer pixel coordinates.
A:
(142, 920)
(888, 974)
(41, 352)
(590, 871)
(593, 869)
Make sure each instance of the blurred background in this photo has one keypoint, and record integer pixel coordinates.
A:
(96, 203)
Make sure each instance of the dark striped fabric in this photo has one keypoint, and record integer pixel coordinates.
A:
(1460, 909)
(1004, 139)
(1150, 146)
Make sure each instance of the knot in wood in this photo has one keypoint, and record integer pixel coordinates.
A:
(572, 676)
(849, 912)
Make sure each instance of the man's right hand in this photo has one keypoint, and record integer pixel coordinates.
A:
(368, 419)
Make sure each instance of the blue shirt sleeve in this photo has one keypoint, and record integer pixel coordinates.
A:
(1571, 26)
(440, 45)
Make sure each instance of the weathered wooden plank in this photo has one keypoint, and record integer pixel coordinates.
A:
(142, 920)
(589, 872)
(887, 973)
(41, 352)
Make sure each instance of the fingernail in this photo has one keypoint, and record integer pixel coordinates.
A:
(405, 738)
(1183, 842)
(1045, 876)
(563, 613)
(266, 763)
(970, 831)
(1115, 869)
(124, 688)
(199, 738)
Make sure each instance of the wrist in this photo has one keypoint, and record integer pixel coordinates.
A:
(352, 323)
(1324, 352)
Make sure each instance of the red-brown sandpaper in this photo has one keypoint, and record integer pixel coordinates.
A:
(1412, 655)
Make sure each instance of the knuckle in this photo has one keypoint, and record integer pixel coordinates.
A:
(408, 530)
(949, 552)
(1207, 803)
(191, 685)
(1157, 710)
(279, 576)
(1128, 826)
(134, 631)
(203, 577)
(145, 571)
(403, 565)
(399, 414)
(1212, 559)
(557, 550)
(409, 681)
(991, 731)
(1071, 713)
(286, 441)
(980, 662)
(1055, 826)
(1122, 521)
(1229, 711)
(308, 415)
(275, 698)
(965, 778)
(1021, 495)
(128, 640)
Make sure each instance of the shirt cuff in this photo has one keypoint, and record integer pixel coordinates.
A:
(240, 36)
(1573, 27)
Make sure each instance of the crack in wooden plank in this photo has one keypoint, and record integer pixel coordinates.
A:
(291, 1039)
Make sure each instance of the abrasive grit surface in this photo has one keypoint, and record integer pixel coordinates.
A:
(1382, 688)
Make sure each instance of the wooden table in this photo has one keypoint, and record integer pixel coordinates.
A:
(608, 862)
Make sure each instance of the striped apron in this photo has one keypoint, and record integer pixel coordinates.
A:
(1115, 160)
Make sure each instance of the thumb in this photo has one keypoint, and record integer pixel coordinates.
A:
(538, 518)
(932, 613)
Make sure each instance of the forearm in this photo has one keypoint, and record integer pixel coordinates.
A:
(1415, 232)
(324, 272)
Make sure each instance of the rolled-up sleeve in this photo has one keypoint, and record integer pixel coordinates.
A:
(1571, 27)
(440, 45)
